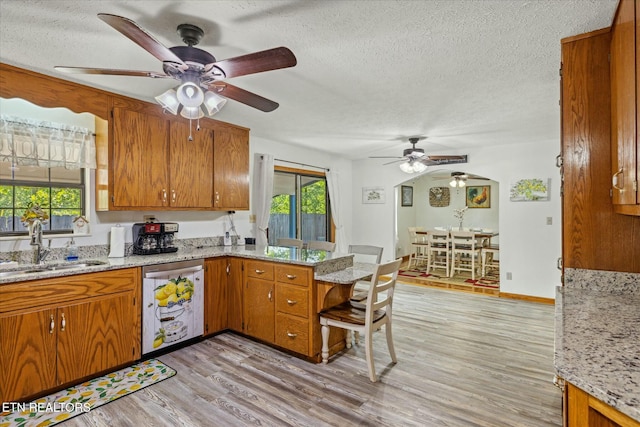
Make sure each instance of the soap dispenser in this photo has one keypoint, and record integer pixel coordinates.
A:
(72, 251)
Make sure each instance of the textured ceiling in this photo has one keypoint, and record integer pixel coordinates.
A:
(465, 73)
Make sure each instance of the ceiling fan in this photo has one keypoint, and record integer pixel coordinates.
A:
(459, 179)
(201, 75)
(415, 160)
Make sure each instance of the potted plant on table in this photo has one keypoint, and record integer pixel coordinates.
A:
(459, 214)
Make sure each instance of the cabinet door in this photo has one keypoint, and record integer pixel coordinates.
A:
(231, 168)
(94, 336)
(140, 160)
(259, 321)
(216, 295)
(623, 105)
(191, 166)
(235, 304)
(27, 354)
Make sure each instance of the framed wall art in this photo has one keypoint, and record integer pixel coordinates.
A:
(529, 190)
(373, 195)
(439, 197)
(478, 196)
(406, 194)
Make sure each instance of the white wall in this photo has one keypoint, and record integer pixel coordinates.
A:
(529, 248)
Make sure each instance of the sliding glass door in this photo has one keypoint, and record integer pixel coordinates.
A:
(300, 207)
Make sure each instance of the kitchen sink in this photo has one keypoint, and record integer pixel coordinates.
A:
(42, 269)
(77, 265)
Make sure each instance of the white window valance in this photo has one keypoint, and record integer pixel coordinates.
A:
(28, 142)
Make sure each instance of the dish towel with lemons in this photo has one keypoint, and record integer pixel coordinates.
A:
(65, 404)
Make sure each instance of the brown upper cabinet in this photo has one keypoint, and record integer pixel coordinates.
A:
(625, 68)
(153, 164)
(145, 158)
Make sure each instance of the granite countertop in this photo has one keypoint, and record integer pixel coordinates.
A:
(324, 262)
(350, 275)
(597, 345)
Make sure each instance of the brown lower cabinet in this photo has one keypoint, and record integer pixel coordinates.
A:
(584, 410)
(279, 306)
(58, 331)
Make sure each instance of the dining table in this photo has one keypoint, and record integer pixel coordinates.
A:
(484, 236)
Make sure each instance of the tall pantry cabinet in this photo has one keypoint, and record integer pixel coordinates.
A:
(625, 140)
(594, 235)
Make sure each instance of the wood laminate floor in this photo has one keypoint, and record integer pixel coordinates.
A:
(463, 360)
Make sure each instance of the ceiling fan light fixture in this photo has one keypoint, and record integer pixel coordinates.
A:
(213, 103)
(169, 101)
(412, 167)
(456, 182)
(190, 94)
(192, 113)
(406, 167)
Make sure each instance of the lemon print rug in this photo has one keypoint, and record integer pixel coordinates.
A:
(65, 404)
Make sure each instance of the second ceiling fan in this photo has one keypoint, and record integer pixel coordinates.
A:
(415, 160)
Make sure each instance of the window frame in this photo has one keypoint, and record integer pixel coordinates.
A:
(85, 196)
(309, 173)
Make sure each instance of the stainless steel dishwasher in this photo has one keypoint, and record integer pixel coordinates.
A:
(172, 303)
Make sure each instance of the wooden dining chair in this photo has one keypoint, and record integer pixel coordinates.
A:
(465, 252)
(438, 250)
(418, 254)
(290, 242)
(373, 254)
(376, 314)
(322, 245)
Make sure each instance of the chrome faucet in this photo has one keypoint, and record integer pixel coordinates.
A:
(40, 253)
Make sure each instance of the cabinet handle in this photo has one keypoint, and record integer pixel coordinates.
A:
(164, 196)
(228, 269)
(614, 180)
(270, 294)
(217, 198)
(559, 161)
(290, 335)
(173, 196)
(259, 271)
(291, 302)
(52, 325)
(291, 276)
(63, 323)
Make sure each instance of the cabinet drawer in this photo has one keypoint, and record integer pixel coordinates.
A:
(291, 274)
(260, 269)
(292, 333)
(292, 300)
(48, 292)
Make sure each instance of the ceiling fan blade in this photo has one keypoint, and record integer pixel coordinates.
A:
(442, 160)
(266, 60)
(401, 159)
(141, 37)
(112, 72)
(243, 96)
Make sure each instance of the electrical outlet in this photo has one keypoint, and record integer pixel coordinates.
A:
(509, 275)
(252, 219)
(549, 220)
(148, 218)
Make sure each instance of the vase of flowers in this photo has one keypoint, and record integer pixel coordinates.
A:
(459, 215)
(31, 214)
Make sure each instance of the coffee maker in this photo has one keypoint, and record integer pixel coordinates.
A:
(151, 238)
